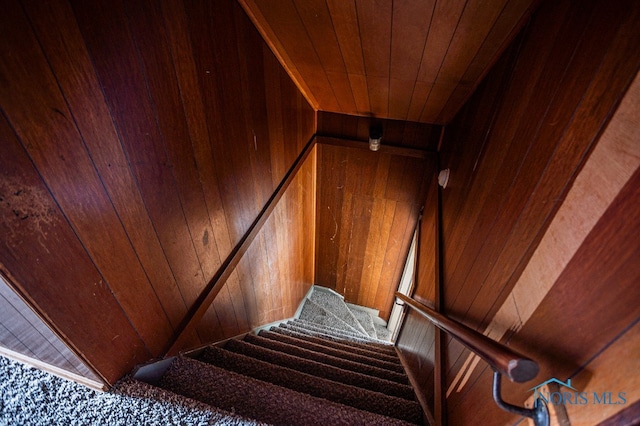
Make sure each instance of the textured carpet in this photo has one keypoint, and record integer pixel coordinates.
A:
(367, 366)
(262, 400)
(335, 304)
(31, 397)
(313, 385)
(365, 320)
(324, 368)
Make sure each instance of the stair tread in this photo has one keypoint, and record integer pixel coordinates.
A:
(365, 320)
(337, 341)
(317, 386)
(314, 313)
(383, 332)
(380, 345)
(383, 369)
(252, 346)
(137, 389)
(277, 405)
(336, 305)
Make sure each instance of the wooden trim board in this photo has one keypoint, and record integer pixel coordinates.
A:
(220, 278)
(48, 368)
(385, 149)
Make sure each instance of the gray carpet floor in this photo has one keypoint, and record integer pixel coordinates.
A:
(31, 397)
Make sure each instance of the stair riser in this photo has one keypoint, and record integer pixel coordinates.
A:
(384, 347)
(259, 400)
(312, 385)
(339, 358)
(372, 352)
(321, 369)
(373, 360)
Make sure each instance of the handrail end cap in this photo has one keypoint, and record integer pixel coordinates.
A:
(522, 370)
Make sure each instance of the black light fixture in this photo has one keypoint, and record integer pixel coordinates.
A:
(375, 136)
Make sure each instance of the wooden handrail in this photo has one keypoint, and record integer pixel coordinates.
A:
(501, 358)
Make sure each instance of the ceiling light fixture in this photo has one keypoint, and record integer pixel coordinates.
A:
(375, 136)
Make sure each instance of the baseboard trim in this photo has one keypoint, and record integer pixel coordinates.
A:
(51, 369)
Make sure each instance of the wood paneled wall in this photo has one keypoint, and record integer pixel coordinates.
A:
(367, 207)
(139, 141)
(417, 339)
(277, 270)
(394, 132)
(416, 342)
(22, 331)
(514, 152)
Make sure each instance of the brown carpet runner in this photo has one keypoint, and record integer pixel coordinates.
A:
(299, 373)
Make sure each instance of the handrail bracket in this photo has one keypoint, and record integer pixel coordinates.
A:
(539, 413)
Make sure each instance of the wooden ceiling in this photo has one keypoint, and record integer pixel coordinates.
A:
(413, 60)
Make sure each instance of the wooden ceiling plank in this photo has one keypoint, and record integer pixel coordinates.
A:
(445, 21)
(474, 25)
(507, 26)
(360, 93)
(400, 93)
(290, 31)
(317, 21)
(345, 24)
(410, 28)
(419, 96)
(440, 93)
(379, 95)
(264, 26)
(374, 21)
(343, 91)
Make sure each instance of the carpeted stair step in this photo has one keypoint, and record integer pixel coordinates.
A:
(312, 312)
(335, 304)
(335, 358)
(327, 334)
(343, 335)
(344, 345)
(353, 396)
(382, 332)
(173, 408)
(367, 365)
(365, 320)
(250, 347)
(321, 338)
(259, 400)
